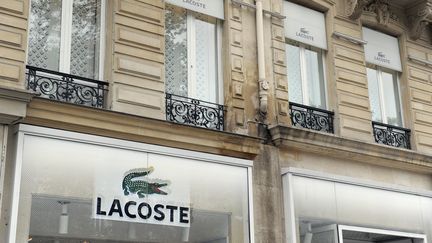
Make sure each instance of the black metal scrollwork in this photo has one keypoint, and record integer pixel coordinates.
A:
(311, 117)
(391, 135)
(65, 87)
(194, 112)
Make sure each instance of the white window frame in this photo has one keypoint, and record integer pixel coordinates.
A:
(382, 94)
(66, 37)
(303, 72)
(191, 59)
(341, 228)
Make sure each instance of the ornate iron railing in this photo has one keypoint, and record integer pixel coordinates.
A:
(194, 112)
(66, 87)
(311, 118)
(391, 135)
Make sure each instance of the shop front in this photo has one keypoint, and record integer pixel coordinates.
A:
(72, 187)
(328, 208)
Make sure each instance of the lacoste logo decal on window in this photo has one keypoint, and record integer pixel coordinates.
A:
(135, 181)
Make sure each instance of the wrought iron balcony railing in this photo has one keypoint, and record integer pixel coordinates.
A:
(66, 87)
(311, 118)
(194, 112)
(391, 135)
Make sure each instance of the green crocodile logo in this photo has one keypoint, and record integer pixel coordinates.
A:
(142, 187)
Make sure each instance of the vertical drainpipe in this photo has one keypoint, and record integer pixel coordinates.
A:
(263, 83)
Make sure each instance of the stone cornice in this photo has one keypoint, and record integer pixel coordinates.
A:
(43, 112)
(338, 147)
(13, 104)
(419, 16)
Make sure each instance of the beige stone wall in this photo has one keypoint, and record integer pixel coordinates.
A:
(13, 42)
(135, 57)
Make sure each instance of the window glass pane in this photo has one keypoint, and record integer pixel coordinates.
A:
(206, 59)
(315, 78)
(374, 96)
(294, 74)
(44, 34)
(218, 208)
(85, 38)
(176, 76)
(391, 99)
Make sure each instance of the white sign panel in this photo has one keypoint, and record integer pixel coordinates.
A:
(140, 192)
(382, 49)
(305, 25)
(213, 8)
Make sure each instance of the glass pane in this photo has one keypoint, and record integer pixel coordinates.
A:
(85, 38)
(374, 96)
(294, 74)
(44, 36)
(315, 78)
(55, 206)
(391, 99)
(206, 60)
(176, 76)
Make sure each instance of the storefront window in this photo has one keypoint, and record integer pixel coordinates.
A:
(321, 209)
(73, 191)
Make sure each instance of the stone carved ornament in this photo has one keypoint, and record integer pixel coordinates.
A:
(419, 16)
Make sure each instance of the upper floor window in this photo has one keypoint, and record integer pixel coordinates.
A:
(305, 50)
(64, 36)
(383, 67)
(192, 53)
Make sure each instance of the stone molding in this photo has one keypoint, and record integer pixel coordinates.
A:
(419, 16)
(13, 104)
(354, 8)
(344, 148)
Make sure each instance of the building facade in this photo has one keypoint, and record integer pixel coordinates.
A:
(216, 121)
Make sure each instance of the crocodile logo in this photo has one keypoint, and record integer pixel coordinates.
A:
(143, 186)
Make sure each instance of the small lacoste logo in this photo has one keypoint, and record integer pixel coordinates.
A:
(304, 31)
(382, 55)
(145, 186)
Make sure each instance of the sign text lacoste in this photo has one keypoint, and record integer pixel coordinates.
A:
(137, 205)
(304, 33)
(381, 57)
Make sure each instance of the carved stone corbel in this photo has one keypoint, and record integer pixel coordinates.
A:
(419, 16)
(355, 8)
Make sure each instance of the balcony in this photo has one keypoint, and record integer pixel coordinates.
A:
(391, 135)
(193, 112)
(311, 118)
(66, 87)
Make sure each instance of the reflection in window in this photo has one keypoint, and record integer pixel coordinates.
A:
(384, 96)
(64, 36)
(305, 75)
(191, 54)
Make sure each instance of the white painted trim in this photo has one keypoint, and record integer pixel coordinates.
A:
(354, 181)
(289, 210)
(303, 73)
(102, 40)
(124, 144)
(219, 79)
(191, 48)
(16, 188)
(251, 207)
(381, 95)
(379, 231)
(66, 36)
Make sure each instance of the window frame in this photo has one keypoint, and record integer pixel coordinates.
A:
(66, 37)
(381, 91)
(191, 58)
(303, 71)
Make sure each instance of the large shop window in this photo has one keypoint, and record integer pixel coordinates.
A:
(192, 52)
(120, 191)
(305, 49)
(326, 208)
(384, 65)
(64, 36)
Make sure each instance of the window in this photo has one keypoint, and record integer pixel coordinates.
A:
(65, 36)
(305, 75)
(191, 56)
(384, 96)
(305, 50)
(383, 68)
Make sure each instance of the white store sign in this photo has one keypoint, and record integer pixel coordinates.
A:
(382, 49)
(134, 192)
(213, 8)
(305, 25)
